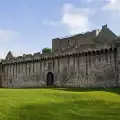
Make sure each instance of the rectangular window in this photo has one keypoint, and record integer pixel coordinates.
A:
(44, 65)
(68, 63)
(29, 67)
(10, 69)
(50, 65)
(68, 43)
(13, 69)
(33, 67)
(18, 68)
(58, 65)
(60, 45)
(86, 68)
(106, 57)
(40, 65)
(53, 64)
(74, 63)
(26, 68)
(78, 65)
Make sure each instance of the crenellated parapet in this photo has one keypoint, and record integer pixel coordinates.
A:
(74, 40)
(36, 57)
(88, 43)
(90, 59)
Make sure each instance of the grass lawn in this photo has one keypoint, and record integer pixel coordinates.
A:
(60, 104)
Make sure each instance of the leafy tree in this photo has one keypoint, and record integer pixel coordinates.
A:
(46, 49)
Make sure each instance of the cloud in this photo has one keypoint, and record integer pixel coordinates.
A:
(8, 40)
(82, 19)
(112, 10)
(7, 35)
(76, 19)
(112, 5)
(89, 1)
(17, 50)
(51, 23)
(92, 1)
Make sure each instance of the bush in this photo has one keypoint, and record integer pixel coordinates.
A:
(46, 49)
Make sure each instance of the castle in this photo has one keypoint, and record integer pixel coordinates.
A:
(88, 59)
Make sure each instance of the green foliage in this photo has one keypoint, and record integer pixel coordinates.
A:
(60, 104)
(46, 49)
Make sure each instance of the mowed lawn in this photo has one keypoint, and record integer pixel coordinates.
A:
(60, 104)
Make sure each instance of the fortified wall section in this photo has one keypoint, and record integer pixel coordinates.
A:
(70, 69)
(89, 70)
(117, 55)
(74, 61)
(78, 40)
(1, 75)
(94, 39)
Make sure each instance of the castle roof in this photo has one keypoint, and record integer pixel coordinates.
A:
(105, 32)
(9, 55)
(105, 35)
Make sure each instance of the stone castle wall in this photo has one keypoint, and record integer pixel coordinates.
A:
(70, 69)
(78, 40)
(96, 70)
(75, 61)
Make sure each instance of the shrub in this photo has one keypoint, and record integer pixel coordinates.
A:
(46, 49)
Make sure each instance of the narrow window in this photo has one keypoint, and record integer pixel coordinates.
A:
(86, 68)
(33, 67)
(74, 62)
(26, 68)
(68, 43)
(50, 65)
(58, 65)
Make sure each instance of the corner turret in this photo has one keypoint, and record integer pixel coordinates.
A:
(9, 56)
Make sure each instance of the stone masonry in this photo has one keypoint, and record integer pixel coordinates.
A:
(90, 59)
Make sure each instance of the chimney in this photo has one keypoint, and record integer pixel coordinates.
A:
(104, 26)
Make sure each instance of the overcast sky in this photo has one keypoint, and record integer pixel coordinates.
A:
(27, 26)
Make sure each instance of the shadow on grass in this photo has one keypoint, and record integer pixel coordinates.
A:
(113, 90)
(74, 110)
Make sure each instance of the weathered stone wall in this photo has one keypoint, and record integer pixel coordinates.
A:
(75, 61)
(27, 74)
(76, 40)
(117, 55)
(0, 75)
(87, 69)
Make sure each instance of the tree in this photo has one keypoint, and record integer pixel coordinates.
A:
(46, 49)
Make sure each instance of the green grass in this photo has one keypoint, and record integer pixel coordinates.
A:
(60, 104)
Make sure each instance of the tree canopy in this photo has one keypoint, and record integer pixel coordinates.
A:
(46, 49)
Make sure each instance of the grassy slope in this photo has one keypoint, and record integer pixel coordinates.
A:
(59, 104)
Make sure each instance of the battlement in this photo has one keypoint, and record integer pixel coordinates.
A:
(51, 55)
(62, 55)
(87, 34)
(27, 57)
(83, 42)
(91, 37)
(88, 59)
(74, 40)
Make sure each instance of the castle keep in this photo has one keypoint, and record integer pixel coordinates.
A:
(88, 59)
